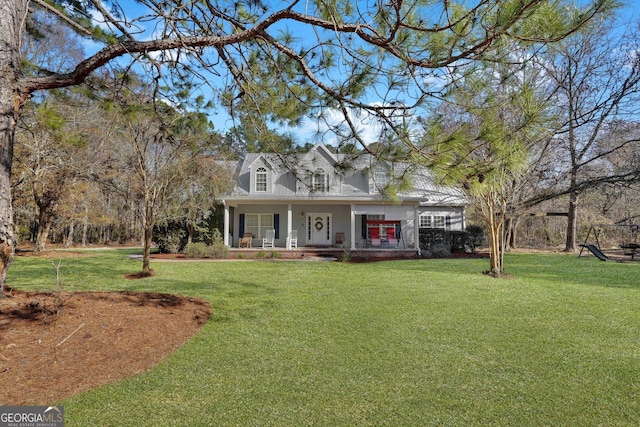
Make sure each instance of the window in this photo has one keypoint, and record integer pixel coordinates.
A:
(380, 178)
(319, 180)
(261, 180)
(425, 221)
(258, 224)
(436, 221)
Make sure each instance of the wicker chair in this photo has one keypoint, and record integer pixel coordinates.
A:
(246, 240)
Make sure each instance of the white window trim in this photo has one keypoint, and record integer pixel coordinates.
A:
(262, 173)
(439, 222)
(264, 222)
(426, 221)
(435, 222)
(318, 185)
(380, 178)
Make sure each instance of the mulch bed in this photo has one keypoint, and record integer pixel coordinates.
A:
(55, 346)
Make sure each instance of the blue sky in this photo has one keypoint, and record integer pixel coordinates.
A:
(305, 132)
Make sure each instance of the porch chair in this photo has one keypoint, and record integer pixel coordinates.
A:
(340, 239)
(375, 237)
(293, 239)
(269, 237)
(246, 240)
(391, 237)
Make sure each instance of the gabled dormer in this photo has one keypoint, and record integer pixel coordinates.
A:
(316, 171)
(380, 175)
(262, 173)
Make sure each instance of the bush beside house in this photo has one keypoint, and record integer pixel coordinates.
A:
(439, 243)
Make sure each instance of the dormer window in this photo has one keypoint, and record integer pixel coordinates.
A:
(320, 181)
(379, 179)
(261, 180)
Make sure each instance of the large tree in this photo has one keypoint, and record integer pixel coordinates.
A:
(482, 136)
(56, 149)
(250, 52)
(158, 154)
(595, 79)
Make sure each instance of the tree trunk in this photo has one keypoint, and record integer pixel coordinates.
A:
(148, 231)
(43, 234)
(72, 228)
(511, 225)
(133, 224)
(7, 231)
(191, 230)
(572, 222)
(496, 254)
(495, 223)
(106, 235)
(45, 217)
(85, 226)
(11, 30)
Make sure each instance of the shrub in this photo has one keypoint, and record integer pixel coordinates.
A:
(195, 250)
(170, 242)
(202, 250)
(217, 250)
(476, 235)
(440, 250)
(437, 250)
(433, 240)
(458, 240)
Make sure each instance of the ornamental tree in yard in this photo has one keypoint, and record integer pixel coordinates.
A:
(482, 138)
(251, 56)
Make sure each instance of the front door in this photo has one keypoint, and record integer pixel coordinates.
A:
(319, 229)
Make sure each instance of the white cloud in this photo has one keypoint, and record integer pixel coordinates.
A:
(367, 127)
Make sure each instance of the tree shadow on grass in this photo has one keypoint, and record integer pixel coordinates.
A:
(140, 275)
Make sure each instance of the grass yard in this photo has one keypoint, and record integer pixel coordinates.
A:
(420, 342)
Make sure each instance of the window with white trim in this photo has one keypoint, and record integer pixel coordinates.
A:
(258, 224)
(261, 180)
(380, 178)
(320, 181)
(435, 221)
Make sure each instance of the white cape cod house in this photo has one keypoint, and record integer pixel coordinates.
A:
(322, 199)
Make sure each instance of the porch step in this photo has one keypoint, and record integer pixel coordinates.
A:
(320, 254)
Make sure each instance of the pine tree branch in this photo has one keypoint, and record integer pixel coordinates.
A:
(79, 28)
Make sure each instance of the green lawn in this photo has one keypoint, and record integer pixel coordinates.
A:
(428, 342)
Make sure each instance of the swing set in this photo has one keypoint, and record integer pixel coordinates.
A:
(612, 241)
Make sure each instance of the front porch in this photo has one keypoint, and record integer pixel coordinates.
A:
(347, 225)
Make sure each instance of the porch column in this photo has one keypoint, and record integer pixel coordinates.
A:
(226, 225)
(464, 220)
(353, 227)
(289, 219)
(416, 229)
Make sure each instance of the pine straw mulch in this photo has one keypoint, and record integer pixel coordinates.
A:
(95, 338)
